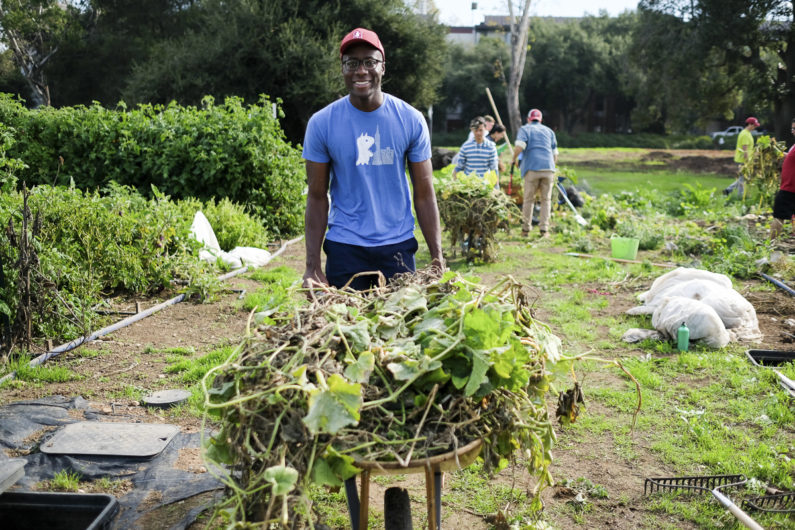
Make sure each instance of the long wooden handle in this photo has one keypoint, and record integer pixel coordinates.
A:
(499, 120)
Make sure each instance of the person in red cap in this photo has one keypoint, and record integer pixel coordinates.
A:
(359, 203)
(539, 149)
(745, 146)
(784, 203)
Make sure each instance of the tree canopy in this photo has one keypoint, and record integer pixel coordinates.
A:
(670, 66)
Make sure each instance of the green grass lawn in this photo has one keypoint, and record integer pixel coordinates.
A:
(600, 181)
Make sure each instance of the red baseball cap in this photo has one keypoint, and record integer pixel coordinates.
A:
(534, 114)
(752, 121)
(362, 35)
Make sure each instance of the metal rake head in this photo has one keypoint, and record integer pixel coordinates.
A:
(703, 483)
(778, 503)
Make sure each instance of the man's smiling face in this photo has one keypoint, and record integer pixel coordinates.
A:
(361, 82)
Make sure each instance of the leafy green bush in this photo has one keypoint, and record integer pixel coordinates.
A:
(229, 150)
(92, 245)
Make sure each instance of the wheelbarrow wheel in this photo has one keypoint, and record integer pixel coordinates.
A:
(397, 509)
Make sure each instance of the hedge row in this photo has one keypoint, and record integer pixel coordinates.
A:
(232, 151)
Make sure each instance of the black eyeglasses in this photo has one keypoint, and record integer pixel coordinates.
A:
(351, 65)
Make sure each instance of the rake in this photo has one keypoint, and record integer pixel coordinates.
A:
(781, 503)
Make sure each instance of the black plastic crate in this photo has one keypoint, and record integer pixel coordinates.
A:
(768, 358)
(57, 511)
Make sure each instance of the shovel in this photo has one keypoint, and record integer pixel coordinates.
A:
(577, 217)
(510, 181)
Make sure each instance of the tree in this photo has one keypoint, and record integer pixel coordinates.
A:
(719, 54)
(519, 30)
(114, 36)
(33, 31)
(251, 47)
(468, 71)
(578, 71)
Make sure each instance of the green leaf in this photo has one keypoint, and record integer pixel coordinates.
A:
(480, 366)
(219, 452)
(405, 301)
(333, 408)
(342, 465)
(224, 393)
(323, 474)
(357, 335)
(359, 371)
(283, 479)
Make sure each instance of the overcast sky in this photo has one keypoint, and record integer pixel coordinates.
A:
(460, 13)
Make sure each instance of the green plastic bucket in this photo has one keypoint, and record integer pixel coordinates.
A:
(624, 247)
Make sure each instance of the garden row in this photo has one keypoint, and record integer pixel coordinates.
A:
(229, 150)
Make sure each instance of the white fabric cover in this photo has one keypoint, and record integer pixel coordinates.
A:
(202, 231)
(716, 298)
(703, 322)
(639, 334)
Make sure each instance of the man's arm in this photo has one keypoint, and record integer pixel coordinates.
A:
(421, 174)
(460, 165)
(316, 220)
(518, 148)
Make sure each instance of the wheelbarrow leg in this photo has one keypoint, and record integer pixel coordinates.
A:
(433, 497)
(353, 501)
(437, 482)
(358, 507)
(364, 500)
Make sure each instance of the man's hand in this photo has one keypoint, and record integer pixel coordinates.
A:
(314, 278)
(438, 266)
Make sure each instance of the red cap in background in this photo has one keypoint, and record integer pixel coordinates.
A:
(752, 121)
(534, 114)
(360, 35)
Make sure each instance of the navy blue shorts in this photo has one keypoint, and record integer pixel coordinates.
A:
(343, 261)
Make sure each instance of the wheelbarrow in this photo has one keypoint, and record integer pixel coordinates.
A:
(433, 467)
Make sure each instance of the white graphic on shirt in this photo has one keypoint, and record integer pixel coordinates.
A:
(363, 143)
(382, 156)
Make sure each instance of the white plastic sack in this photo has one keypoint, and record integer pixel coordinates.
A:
(202, 231)
(715, 290)
(212, 256)
(702, 320)
(251, 256)
(680, 275)
(639, 334)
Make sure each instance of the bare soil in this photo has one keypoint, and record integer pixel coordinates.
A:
(693, 160)
(132, 358)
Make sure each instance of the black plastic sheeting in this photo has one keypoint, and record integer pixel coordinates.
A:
(154, 479)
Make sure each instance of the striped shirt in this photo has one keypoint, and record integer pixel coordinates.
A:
(477, 157)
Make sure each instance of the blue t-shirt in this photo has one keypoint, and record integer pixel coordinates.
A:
(369, 189)
(538, 154)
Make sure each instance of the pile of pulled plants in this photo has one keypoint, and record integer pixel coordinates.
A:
(473, 211)
(417, 368)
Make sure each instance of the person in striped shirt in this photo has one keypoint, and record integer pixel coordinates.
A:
(478, 155)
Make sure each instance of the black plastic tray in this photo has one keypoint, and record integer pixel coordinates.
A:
(56, 511)
(768, 358)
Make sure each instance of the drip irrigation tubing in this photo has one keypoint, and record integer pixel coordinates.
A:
(135, 318)
(620, 260)
(778, 283)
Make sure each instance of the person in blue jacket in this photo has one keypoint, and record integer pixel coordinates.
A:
(359, 203)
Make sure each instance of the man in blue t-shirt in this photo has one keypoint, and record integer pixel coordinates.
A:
(356, 151)
(539, 149)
